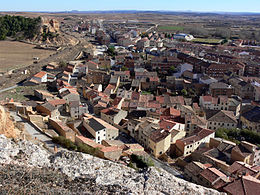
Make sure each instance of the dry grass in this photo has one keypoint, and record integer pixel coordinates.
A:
(16, 54)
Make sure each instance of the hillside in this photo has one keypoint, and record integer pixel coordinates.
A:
(32, 169)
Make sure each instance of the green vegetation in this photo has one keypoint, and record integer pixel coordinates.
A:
(172, 69)
(184, 92)
(146, 93)
(171, 28)
(11, 25)
(72, 146)
(140, 162)
(111, 51)
(124, 68)
(208, 41)
(238, 135)
(64, 142)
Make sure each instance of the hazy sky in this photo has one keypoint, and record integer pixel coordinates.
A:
(172, 5)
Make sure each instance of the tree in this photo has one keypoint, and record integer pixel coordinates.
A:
(124, 68)
(111, 51)
(184, 92)
(172, 69)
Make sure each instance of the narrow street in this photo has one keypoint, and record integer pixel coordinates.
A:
(34, 133)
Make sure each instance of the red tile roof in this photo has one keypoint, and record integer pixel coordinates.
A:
(245, 185)
(40, 74)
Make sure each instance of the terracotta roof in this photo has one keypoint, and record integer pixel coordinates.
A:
(245, 185)
(199, 134)
(40, 74)
(167, 124)
(57, 102)
(242, 169)
(159, 135)
(90, 142)
(215, 177)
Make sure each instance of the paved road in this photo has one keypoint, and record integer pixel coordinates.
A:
(8, 88)
(34, 132)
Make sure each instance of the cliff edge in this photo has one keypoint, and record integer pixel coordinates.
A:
(29, 168)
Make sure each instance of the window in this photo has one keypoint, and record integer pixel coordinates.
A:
(98, 138)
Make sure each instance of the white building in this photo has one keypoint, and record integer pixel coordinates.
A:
(183, 36)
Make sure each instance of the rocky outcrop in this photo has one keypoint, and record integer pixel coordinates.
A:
(92, 174)
(50, 34)
(7, 126)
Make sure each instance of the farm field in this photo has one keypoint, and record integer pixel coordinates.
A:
(170, 28)
(16, 54)
(207, 41)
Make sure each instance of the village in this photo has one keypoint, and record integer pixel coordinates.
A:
(193, 106)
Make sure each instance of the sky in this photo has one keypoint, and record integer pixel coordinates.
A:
(169, 5)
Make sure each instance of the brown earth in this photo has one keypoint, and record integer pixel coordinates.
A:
(16, 54)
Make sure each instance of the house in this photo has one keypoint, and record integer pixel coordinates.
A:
(62, 129)
(159, 142)
(124, 75)
(182, 36)
(220, 103)
(60, 104)
(239, 168)
(247, 153)
(106, 152)
(97, 77)
(48, 110)
(243, 89)
(245, 185)
(40, 77)
(69, 94)
(220, 88)
(251, 119)
(177, 130)
(92, 65)
(110, 89)
(221, 119)
(76, 109)
(110, 153)
(182, 68)
(192, 171)
(213, 178)
(186, 146)
(149, 83)
(143, 43)
(99, 129)
(42, 94)
(113, 115)
(192, 122)
(207, 80)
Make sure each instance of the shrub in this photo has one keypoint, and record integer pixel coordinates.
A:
(237, 135)
(86, 149)
(64, 142)
(142, 162)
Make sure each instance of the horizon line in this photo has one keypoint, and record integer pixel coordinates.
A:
(135, 10)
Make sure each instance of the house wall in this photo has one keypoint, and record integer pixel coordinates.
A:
(112, 134)
(160, 147)
(98, 135)
(111, 155)
(216, 125)
(68, 133)
(41, 109)
(250, 125)
(179, 135)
